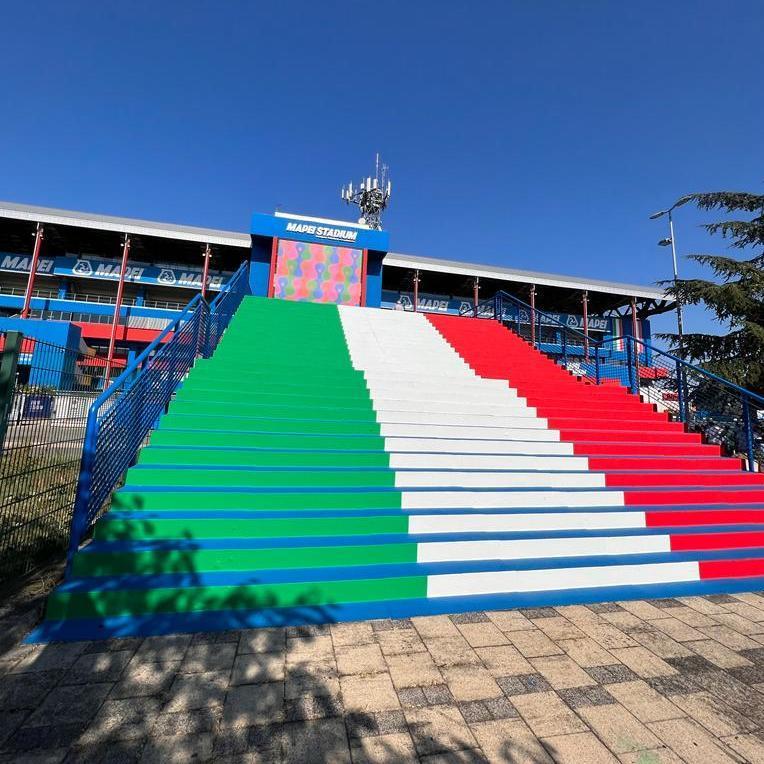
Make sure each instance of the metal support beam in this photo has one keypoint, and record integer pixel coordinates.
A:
(416, 291)
(117, 310)
(533, 315)
(475, 292)
(635, 336)
(33, 270)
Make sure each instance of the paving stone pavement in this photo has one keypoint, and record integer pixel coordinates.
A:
(643, 682)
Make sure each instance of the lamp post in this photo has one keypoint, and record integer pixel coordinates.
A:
(671, 241)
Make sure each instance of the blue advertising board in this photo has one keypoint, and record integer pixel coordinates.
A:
(99, 268)
(438, 303)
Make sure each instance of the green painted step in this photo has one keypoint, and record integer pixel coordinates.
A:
(110, 528)
(125, 602)
(361, 413)
(253, 424)
(181, 437)
(137, 500)
(244, 478)
(205, 560)
(200, 396)
(235, 458)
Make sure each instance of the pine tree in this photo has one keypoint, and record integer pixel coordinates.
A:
(737, 299)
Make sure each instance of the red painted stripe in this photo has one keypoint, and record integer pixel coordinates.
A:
(696, 542)
(720, 496)
(731, 568)
(646, 449)
(690, 478)
(618, 463)
(689, 518)
(620, 436)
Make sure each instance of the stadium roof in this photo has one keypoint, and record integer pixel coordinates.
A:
(123, 225)
(139, 227)
(524, 277)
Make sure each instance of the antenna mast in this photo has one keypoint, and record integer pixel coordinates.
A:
(372, 197)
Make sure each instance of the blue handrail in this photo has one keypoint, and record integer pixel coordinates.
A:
(120, 419)
(637, 352)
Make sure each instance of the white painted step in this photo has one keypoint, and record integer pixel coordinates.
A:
(525, 549)
(455, 445)
(460, 431)
(521, 499)
(432, 461)
(425, 403)
(454, 419)
(402, 390)
(459, 479)
(520, 523)
(509, 581)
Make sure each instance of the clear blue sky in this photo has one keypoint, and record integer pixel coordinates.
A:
(532, 134)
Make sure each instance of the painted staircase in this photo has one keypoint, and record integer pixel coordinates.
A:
(342, 463)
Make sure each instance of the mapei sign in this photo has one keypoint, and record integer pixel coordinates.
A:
(323, 232)
(97, 268)
(318, 230)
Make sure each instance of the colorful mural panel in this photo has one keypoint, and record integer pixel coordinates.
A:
(318, 273)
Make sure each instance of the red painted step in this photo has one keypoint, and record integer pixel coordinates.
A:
(698, 497)
(646, 449)
(623, 463)
(688, 518)
(691, 478)
(696, 542)
(618, 436)
(731, 568)
(604, 423)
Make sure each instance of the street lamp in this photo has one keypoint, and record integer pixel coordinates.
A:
(671, 241)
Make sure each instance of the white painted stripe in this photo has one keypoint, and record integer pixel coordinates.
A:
(398, 378)
(539, 521)
(488, 462)
(446, 431)
(454, 419)
(447, 393)
(446, 500)
(457, 479)
(508, 581)
(470, 446)
(524, 549)
(457, 406)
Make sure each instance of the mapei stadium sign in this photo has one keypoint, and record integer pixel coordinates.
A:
(97, 268)
(323, 232)
(318, 230)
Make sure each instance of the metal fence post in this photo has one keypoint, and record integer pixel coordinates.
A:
(748, 426)
(564, 349)
(8, 361)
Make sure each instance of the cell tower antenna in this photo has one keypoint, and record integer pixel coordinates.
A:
(372, 197)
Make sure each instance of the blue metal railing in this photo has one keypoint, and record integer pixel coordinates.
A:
(121, 418)
(721, 411)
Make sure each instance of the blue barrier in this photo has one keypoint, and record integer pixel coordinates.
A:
(121, 418)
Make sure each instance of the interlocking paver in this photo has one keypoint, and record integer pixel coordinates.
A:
(641, 682)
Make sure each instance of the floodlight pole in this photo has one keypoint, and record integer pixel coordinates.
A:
(32, 271)
(117, 310)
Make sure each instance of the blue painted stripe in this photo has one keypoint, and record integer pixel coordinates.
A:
(396, 538)
(350, 572)
(224, 620)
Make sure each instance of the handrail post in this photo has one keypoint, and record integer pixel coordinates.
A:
(564, 349)
(748, 425)
(681, 393)
(84, 484)
(597, 363)
(630, 363)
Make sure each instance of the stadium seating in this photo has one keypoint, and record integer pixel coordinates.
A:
(341, 463)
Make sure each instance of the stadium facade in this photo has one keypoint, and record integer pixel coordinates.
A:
(78, 277)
